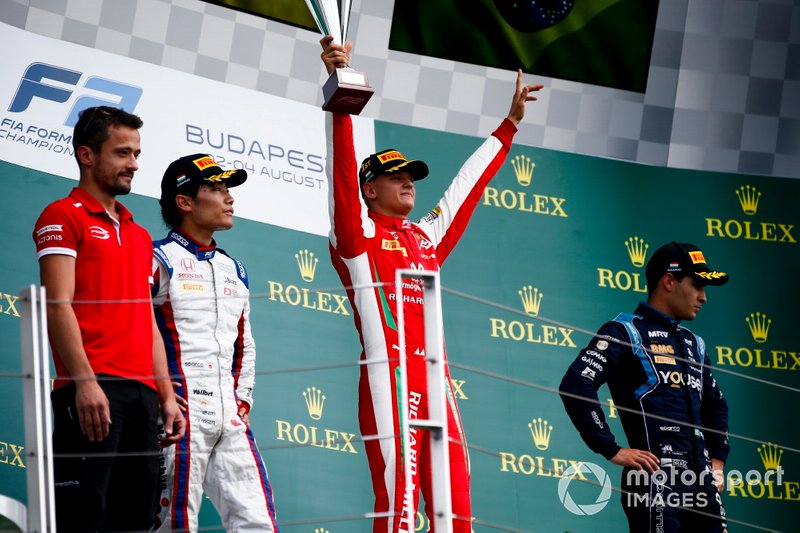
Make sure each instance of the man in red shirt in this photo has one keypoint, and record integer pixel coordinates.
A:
(95, 263)
(368, 244)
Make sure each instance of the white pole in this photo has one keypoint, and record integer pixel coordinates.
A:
(436, 423)
(38, 427)
(437, 404)
(409, 510)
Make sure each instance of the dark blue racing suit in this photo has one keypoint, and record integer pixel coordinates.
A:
(664, 393)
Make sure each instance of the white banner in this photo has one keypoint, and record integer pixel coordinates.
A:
(280, 142)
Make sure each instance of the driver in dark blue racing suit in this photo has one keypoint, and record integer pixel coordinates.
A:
(671, 408)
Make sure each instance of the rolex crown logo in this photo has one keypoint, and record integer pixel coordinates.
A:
(307, 264)
(759, 326)
(748, 199)
(523, 168)
(540, 431)
(531, 299)
(770, 456)
(315, 402)
(321, 530)
(637, 250)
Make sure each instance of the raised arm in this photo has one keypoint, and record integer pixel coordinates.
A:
(447, 222)
(348, 213)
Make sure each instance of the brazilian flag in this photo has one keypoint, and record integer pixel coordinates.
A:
(601, 42)
(294, 12)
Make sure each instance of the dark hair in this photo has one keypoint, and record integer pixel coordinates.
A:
(93, 123)
(169, 209)
(653, 283)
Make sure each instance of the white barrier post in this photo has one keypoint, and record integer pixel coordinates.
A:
(38, 427)
(436, 423)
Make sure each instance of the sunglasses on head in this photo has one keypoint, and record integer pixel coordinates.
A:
(103, 110)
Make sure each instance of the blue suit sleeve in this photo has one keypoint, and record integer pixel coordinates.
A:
(579, 386)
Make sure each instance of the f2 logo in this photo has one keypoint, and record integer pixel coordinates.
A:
(33, 86)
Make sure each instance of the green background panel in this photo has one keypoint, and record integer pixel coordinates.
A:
(504, 383)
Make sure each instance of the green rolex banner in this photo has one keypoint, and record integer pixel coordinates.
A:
(557, 246)
(602, 42)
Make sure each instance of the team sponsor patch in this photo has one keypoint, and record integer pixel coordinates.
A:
(602, 344)
(663, 359)
(393, 246)
(697, 257)
(50, 227)
(49, 238)
(188, 264)
(179, 238)
(433, 215)
(425, 244)
(662, 348)
(390, 156)
(98, 233)
(204, 162)
(193, 287)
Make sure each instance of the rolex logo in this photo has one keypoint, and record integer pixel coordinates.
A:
(307, 264)
(315, 402)
(321, 530)
(748, 199)
(759, 326)
(540, 431)
(770, 456)
(637, 250)
(531, 299)
(523, 168)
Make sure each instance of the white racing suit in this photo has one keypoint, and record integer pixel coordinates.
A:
(201, 300)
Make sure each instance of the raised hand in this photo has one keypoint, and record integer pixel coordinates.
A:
(521, 97)
(335, 55)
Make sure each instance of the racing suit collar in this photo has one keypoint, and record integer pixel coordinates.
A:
(394, 222)
(648, 311)
(203, 253)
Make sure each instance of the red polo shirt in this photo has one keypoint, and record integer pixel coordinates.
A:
(113, 269)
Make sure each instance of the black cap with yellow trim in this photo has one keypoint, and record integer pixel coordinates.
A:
(389, 161)
(682, 259)
(199, 169)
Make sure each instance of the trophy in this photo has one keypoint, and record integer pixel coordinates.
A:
(347, 90)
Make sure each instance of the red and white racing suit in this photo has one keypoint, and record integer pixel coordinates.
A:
(202, 307)
(367, 248)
